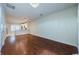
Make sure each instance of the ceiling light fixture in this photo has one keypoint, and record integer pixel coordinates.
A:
(34, 5)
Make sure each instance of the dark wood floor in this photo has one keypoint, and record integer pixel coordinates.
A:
(33, 45)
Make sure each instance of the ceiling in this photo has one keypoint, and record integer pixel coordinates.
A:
(27, 11)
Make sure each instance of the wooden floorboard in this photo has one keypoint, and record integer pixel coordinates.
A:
(29, 44)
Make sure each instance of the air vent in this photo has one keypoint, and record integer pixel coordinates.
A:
(10, 6)
(41, 14)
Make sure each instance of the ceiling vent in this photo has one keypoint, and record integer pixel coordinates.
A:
(10, 6)
(41, 14)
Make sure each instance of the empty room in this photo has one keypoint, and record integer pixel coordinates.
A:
(38, 29)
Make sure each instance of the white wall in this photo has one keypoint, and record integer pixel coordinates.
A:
(2, 26)
(78, 28)
(60, 26)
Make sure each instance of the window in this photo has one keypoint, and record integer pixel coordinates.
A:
(24, 26)
(19, 27)
(15, 28)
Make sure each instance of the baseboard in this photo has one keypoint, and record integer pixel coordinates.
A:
(52, 39)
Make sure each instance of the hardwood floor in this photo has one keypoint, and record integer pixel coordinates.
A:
(33, 45)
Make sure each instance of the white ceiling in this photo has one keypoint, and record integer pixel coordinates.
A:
(26, 10)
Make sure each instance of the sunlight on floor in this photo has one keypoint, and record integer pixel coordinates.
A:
(12, 38)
